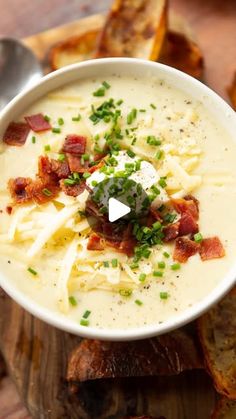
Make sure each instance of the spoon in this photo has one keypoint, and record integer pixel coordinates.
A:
(19, 69)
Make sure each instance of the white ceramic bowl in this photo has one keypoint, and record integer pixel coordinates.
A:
(220, 110)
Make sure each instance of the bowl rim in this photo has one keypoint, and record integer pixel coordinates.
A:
(61, 321)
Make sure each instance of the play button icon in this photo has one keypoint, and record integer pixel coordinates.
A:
(113, 204)
(117, 210)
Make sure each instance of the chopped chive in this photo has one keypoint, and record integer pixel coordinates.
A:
(134, 265)
(61, 157)
(84, 322)
(94, 183)
(103, 210)
(32, 271)
(106, 85)
(138, 165)
(164, 295)
(157, 225)
(69, 182)
(60, 121)
(138, 302)
(130, 153)
(47, 147)
(159, 155)
(47, 118)
(166, 254)
(161, 265)
(33, 139)
(157, 273)
(131, 116)
(114, 263)
(125, 292)
(106, 264)
(119, 102)
(56, 130)
(162, 182)
(47, 192)
(142, 277)
(85, 157)
(99, 92)
(198, 237)
(86, 314)
(153, 106)
(86, 175)
(76, 118)
(175, 266)
(152, 140)
(73, 301)
(142, 110)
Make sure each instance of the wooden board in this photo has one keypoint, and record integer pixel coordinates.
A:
(37, 354)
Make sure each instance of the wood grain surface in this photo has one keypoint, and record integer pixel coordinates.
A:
(36, 353)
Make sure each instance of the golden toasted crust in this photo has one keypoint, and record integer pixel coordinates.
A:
(73, 50)
(181, 52)
(217, 332)
(134, 28)
(225, 409)
(232, 92)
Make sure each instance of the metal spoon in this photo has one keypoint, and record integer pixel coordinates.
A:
(19, 69)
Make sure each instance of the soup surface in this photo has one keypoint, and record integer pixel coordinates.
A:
(157, 266)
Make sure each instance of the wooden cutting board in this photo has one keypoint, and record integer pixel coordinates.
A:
(37, 354)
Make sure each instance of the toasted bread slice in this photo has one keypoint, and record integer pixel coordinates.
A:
(217, 331)
(73, 50)
(232, 92)
(168, 354)
(225, 409)
(134, 28)
(181, 52)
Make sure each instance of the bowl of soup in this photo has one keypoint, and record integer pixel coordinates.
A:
(117, 199)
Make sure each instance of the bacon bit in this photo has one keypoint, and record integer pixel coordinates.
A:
(96, 167)
(44, 167)
(155, 213)
(92, 209)
(187, 205)
(188, 224)
(16, 134)
(72, 190)
(60, 168)
(37, 122)
(95, 242)
(184, 248)
(211, 248)
(17, 188)
(75, 163)
(74, 144)
(35, 191)
(9, 210)
(171, 231)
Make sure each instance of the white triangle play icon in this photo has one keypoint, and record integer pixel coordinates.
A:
(116, 209)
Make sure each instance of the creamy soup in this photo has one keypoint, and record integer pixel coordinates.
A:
(146, 131)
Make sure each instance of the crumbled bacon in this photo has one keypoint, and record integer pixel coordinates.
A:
(184, 248)
(95, 242)
(211, 248)
(16, 134)
(93, 209)
(36, 191)
(75, 163)
(187, 205)
(155, 213)
(60, 168)
(73, 190)
(187, 224)
(37, 122)
(96, 167)
(74, 144)
(171, 231)
(17, 188)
